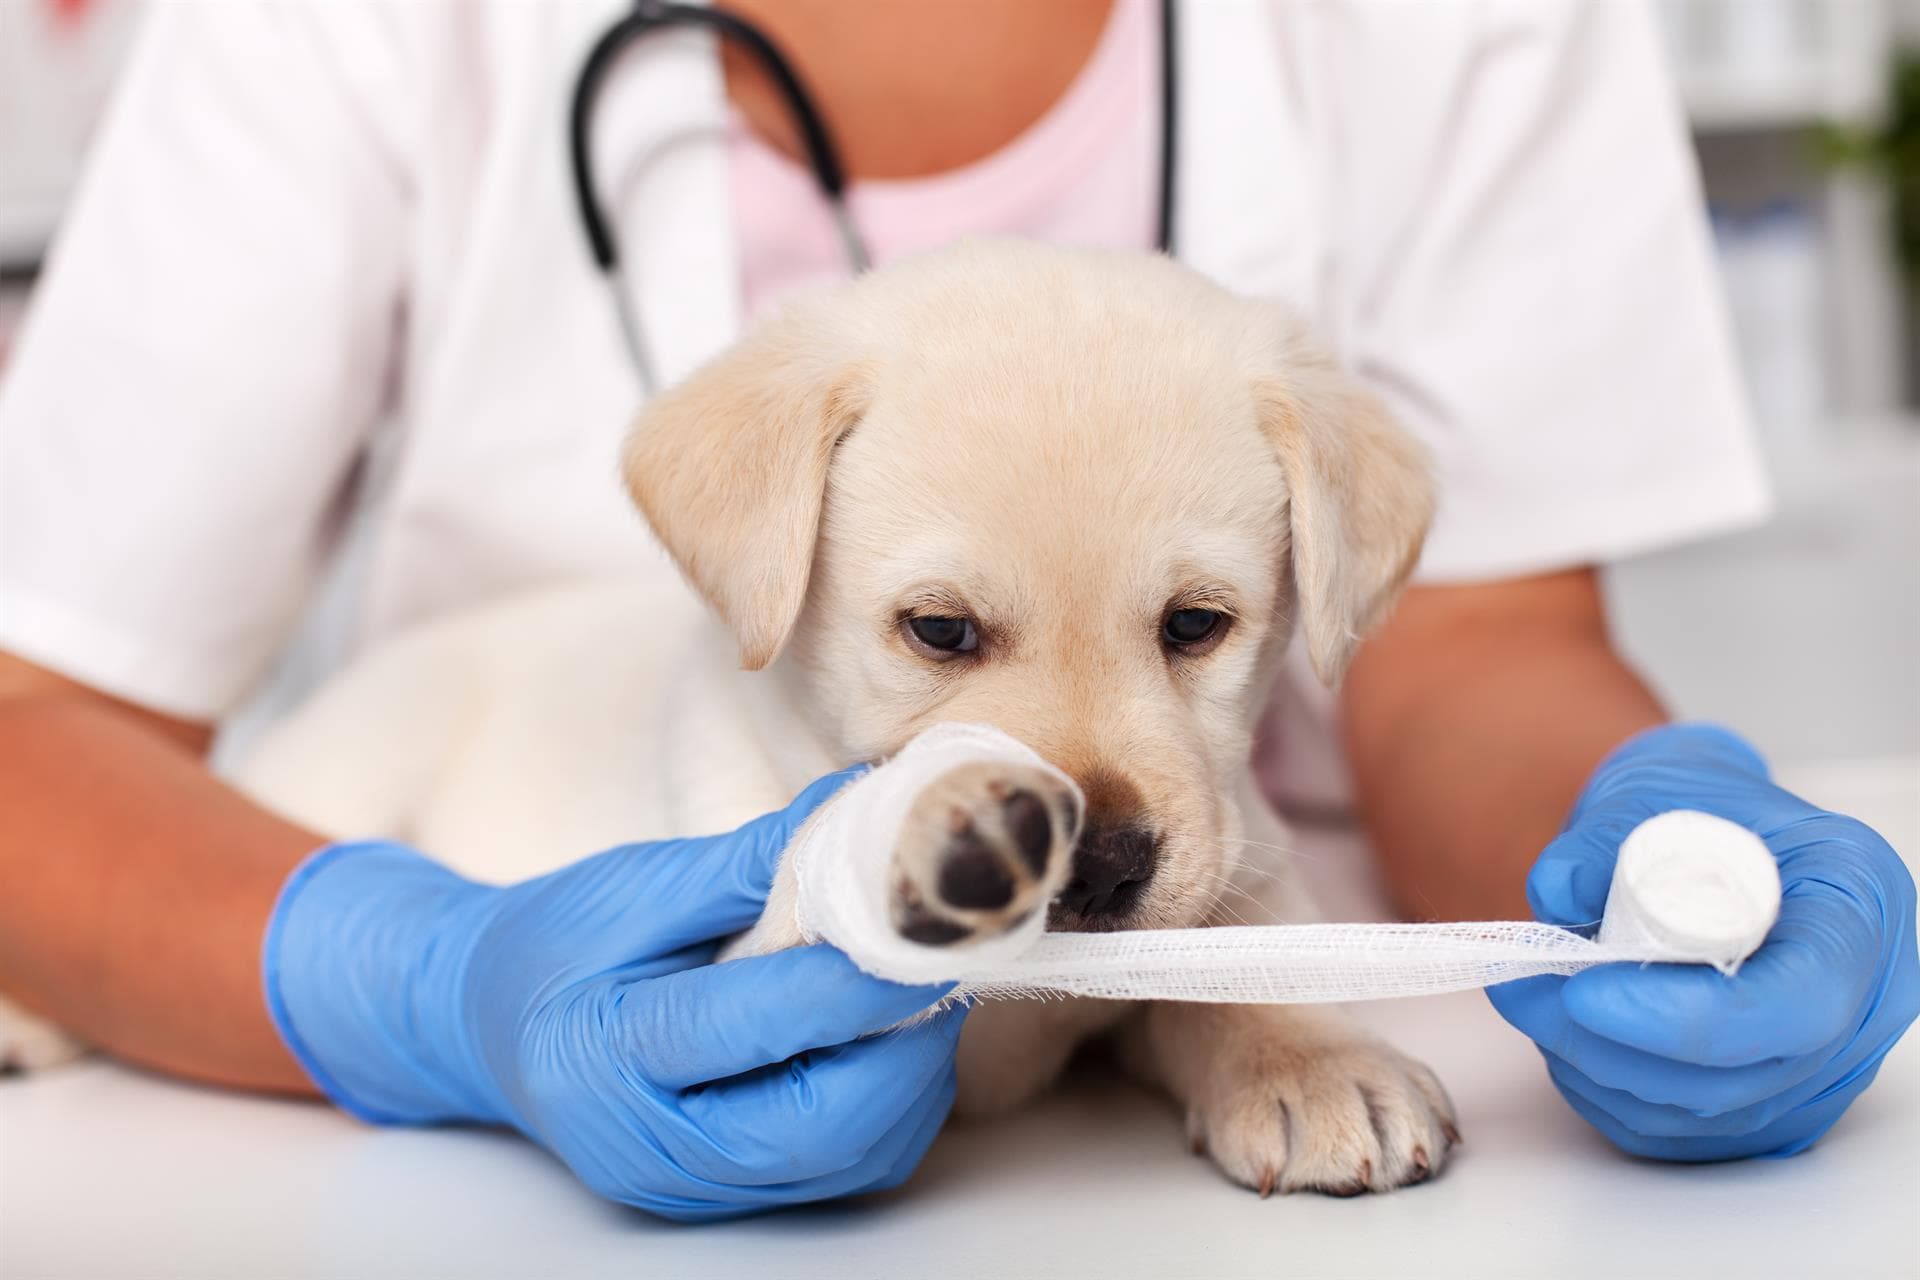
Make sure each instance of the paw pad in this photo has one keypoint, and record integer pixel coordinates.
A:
(983, 847)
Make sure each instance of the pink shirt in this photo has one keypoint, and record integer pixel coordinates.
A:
(1085, 173)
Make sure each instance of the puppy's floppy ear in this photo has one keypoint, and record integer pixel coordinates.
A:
(1359, 499)
(730, 467)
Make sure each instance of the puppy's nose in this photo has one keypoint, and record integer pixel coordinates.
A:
(1110, 867)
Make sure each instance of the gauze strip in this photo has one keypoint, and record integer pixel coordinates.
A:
(1688, 888)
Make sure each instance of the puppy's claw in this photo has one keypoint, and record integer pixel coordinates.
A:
(1267, 1178)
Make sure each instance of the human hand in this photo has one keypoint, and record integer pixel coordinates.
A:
(582, 1009)
(1679, 1062)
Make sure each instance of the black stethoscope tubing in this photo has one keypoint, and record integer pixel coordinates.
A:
(823, 155)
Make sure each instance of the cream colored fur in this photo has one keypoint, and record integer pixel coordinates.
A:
(1065, 445)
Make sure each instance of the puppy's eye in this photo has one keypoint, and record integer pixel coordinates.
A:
(945, 635)
(1187, 627)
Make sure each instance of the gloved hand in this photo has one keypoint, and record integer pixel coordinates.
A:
(581, 1009)
(1680, 1062)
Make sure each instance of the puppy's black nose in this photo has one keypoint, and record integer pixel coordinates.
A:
(1110, 867)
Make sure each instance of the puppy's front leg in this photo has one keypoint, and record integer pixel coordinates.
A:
(1291, 1097)
(1294, 1098)
(983, 847)
(779, 924)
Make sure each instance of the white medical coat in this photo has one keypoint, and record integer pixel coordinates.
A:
(305, 226)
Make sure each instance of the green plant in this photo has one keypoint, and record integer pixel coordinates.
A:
(1891, 149)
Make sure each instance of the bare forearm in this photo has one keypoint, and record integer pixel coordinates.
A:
(137, 887)
(1472, 720)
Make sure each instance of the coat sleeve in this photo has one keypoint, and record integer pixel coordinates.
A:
(1522, 267)
(207, 352)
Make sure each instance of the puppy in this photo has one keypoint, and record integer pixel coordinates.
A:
(1086, 497)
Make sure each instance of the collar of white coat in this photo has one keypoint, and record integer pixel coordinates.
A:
(1248, 185)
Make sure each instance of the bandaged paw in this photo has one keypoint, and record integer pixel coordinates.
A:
(1688, 888)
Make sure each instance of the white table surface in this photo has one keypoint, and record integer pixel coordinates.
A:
(106, 1172)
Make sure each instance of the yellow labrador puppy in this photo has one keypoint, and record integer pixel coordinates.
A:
(1085, 497)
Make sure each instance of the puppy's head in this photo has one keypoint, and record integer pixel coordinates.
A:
(1082, 496)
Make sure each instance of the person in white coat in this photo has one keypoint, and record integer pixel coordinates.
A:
(323, 249)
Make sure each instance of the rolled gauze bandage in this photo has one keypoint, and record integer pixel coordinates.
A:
(1688, 888)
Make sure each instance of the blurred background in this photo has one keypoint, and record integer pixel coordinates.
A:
(1806, 118)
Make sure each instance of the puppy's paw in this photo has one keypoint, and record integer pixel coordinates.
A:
(28, 1043)
(983, 847)
(1340, 1116)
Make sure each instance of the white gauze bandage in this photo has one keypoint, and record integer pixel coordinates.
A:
(1687, 888)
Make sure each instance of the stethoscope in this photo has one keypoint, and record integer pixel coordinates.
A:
(823, 156)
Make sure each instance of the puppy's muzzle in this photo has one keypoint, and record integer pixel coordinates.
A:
(1111, 868)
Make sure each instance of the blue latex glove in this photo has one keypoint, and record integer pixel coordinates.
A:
(1679, 1062)
(581, 1009)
